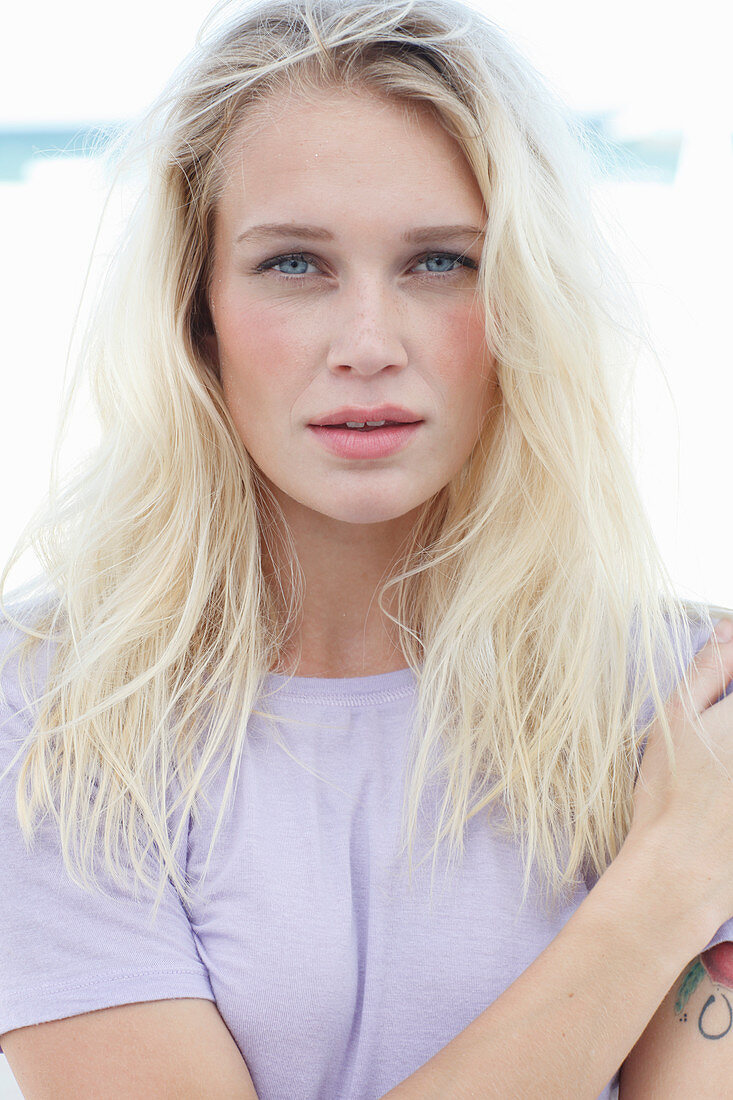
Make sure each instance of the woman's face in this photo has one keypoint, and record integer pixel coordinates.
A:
(356, 311)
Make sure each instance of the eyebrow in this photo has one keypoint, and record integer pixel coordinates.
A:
(418, 235)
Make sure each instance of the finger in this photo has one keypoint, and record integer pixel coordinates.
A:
(723, 694)
(711, 671)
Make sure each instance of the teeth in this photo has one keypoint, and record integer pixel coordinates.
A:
(365, 423)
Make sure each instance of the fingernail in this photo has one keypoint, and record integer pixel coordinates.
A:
(724, 630)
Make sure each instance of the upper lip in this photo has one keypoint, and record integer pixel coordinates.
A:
(382, 412)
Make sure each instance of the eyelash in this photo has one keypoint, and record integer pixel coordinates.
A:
(266, 265)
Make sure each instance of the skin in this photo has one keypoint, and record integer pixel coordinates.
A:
(372, 320)
(713, 972)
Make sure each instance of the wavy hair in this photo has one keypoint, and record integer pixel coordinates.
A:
(531, 599)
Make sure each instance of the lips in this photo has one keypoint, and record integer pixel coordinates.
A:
(365, 443)
(368, 427)
(393, 414)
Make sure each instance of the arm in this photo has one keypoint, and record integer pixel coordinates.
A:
(569, 1021)
(566, 1024)
(687, 1049)
(180, 1049)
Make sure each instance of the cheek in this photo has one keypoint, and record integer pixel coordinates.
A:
(252, 346)
(463, 360)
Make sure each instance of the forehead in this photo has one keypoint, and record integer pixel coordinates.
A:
(337, 140)
(329, 112)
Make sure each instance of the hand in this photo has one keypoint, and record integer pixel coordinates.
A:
(692, 812)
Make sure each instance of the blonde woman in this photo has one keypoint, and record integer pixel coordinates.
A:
(357, 576)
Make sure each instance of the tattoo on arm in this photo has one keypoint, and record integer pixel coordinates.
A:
(716, 966)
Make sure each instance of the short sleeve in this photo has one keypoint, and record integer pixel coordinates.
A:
(63, 949)
(725, 932)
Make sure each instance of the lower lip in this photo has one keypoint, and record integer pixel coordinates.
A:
(351, 443)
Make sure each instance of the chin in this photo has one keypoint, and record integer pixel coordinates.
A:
(346, 504)
(372, 511)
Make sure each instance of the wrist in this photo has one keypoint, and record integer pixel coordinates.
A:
(672, 904)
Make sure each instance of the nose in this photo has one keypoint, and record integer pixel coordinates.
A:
(367, 330)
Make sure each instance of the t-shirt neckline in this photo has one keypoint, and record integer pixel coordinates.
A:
(381, 687)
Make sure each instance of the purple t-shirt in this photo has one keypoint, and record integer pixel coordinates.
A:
(335, 980)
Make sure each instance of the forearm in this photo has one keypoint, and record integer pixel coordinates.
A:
(566, 1024)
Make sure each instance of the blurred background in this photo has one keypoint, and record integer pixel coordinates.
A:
(654, 81)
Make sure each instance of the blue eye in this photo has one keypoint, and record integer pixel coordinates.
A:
(457, 261)
(452, 257)
(293, 258)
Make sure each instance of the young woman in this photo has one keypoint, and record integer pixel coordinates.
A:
(359, 567)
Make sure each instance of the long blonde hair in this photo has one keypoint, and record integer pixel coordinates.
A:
(532, 600)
